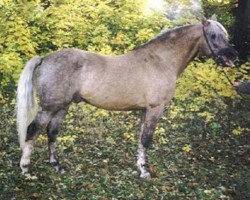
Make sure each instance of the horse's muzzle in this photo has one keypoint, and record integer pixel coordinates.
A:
(226, 56)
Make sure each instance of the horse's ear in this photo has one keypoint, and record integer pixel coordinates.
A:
(205, 22)
(214, 17)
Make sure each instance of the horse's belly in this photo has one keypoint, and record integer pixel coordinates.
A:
(116, 102)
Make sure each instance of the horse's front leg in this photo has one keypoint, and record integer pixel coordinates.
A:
(148, 123)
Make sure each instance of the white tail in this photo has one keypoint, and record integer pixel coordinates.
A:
(26, 104)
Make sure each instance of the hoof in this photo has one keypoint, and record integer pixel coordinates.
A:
(62, 170)
(26, 174)
(58, 168)
(145, 175)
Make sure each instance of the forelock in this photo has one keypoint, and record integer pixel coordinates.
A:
(217, 26)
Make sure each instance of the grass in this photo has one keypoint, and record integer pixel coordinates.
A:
(195, 162)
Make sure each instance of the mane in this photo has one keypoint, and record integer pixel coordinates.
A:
(166, 34)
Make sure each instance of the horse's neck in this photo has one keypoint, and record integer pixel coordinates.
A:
(178, 48)
(190, 47)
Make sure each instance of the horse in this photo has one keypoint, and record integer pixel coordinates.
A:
(143, 79)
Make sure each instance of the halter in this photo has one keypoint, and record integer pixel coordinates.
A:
(217, 58)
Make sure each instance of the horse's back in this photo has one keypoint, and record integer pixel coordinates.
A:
(121, 82)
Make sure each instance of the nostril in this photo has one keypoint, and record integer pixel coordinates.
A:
(228, 52)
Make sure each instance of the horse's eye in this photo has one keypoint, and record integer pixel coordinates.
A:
(213, 36)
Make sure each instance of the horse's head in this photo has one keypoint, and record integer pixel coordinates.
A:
(215, 43)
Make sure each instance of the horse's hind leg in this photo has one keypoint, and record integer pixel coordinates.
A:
(41, 121)
(52, 132)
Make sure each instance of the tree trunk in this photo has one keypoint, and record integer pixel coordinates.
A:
(242, 29)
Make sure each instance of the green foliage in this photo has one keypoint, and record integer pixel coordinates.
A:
(182, 13)
(201, 144)
(16, 45)
(224, 9)
(39, 27)
(197, 160)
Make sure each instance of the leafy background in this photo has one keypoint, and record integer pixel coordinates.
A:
(201, 144)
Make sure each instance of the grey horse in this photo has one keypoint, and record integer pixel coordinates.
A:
(143, 79)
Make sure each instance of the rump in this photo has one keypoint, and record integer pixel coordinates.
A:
(57, 78)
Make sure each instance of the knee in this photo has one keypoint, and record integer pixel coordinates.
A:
(146, 139)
